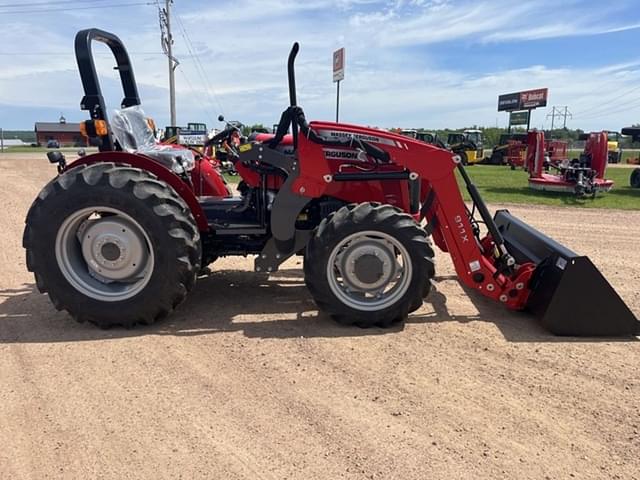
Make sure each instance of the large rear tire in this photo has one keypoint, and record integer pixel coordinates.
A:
(112, 245)
(369, 265)
(635, 178)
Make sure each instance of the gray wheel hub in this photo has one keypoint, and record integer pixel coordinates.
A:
(113, 248)
(104, 253)
(369, 270)
(367, 265)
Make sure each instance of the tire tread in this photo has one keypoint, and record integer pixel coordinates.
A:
(165, 204)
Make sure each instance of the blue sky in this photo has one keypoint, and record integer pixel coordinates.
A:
(410, 63)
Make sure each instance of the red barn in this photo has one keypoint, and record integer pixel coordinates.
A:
(67, 134)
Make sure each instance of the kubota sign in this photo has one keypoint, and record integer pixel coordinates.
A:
(528, 99)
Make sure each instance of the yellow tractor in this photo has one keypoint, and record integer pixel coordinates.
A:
(613, 143)
(469, 145)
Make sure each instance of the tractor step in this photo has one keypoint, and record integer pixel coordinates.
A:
(568, 293)
(230, 216)
(220, 206)
(237, 228)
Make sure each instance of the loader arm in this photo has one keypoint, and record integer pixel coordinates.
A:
(482, 263)
(512, 263)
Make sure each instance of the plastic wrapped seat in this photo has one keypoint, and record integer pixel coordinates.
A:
(132, 131)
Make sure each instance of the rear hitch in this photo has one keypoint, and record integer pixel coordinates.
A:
(568, 293)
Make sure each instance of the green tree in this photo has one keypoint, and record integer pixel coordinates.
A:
(257, 127)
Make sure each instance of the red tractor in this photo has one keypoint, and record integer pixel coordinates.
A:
(119, 236)
(515, 150)
(581, 176)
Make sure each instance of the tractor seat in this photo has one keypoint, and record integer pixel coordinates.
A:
(134, 135)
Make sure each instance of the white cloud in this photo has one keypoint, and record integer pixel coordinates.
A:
(243, 47)
(428, 22)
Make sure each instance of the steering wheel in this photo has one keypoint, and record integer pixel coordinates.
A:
(226, 139)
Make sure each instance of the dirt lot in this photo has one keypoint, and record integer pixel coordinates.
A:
(247, 380)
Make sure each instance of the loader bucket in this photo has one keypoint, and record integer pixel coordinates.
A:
(569, 295)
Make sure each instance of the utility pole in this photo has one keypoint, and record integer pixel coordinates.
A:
(560, 112)
(166, 40)
(553, 117)
(566, 113)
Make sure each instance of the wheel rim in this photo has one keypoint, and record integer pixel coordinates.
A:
(104, 253)
(369, 270)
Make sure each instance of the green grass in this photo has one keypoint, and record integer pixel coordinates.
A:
(232, 180)
(627, 154)
(28, 149)
(503, 185)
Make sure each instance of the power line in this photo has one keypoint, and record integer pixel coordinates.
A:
(36, 4)
(22, 54)
(600, 88)
(613, 110)
(608, 109)
(207, 113)
(199, 67)
(73, 9)
(600, 106)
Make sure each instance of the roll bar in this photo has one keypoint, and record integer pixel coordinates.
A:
(93, 101)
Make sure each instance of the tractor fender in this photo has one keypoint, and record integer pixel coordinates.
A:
(145, 163)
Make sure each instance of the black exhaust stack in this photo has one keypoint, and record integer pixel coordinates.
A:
(293, 95)
(569, 295)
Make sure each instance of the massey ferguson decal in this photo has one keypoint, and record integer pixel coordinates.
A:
(528, 99)
(335, 154)
(357, 136)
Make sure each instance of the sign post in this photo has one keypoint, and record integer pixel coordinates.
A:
(338, 76)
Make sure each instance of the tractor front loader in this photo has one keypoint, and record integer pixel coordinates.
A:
(118, 237)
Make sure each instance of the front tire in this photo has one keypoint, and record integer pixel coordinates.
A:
(112, 245)
(369, 265)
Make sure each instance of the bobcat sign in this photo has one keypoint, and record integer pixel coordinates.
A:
(527, 100)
